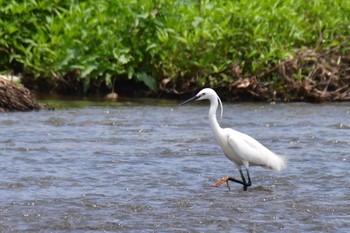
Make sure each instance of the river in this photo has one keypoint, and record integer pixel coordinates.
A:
(150, 166)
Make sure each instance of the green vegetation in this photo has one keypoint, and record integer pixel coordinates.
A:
(168, 45)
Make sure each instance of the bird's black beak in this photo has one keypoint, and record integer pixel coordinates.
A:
(194, 98)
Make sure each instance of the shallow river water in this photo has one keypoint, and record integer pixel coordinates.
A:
(150, 167)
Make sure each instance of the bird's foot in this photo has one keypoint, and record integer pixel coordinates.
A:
(222, 180)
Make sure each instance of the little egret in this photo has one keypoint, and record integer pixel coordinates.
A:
(238, 147)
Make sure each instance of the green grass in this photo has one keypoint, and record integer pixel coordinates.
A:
(180, 41)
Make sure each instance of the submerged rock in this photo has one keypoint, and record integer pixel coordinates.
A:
(113, 96)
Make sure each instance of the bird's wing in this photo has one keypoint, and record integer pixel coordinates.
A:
(249, 150)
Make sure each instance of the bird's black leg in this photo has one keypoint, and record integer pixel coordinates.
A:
(249, 180)
(236, 181)
(244, 182)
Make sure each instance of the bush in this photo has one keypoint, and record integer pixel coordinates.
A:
(171, 44)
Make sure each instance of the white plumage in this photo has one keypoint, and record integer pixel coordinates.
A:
(238, 147)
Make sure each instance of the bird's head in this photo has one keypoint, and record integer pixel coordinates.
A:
(206, 93)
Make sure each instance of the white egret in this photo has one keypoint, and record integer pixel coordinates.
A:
(238, 147)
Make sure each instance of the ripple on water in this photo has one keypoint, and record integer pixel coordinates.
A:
(151, 168)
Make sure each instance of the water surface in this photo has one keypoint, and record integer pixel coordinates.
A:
(150, 167)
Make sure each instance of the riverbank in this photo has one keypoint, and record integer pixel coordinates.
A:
(246, 50)
(310, 76)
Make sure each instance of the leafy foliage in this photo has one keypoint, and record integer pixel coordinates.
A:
(179, 41)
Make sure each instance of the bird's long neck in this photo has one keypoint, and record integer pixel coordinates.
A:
(212, 116)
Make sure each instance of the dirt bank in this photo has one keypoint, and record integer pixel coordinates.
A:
(15, 97)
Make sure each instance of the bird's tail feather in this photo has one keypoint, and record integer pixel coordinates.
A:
(277, 162)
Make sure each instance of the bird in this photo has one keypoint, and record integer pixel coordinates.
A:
(243, 150)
